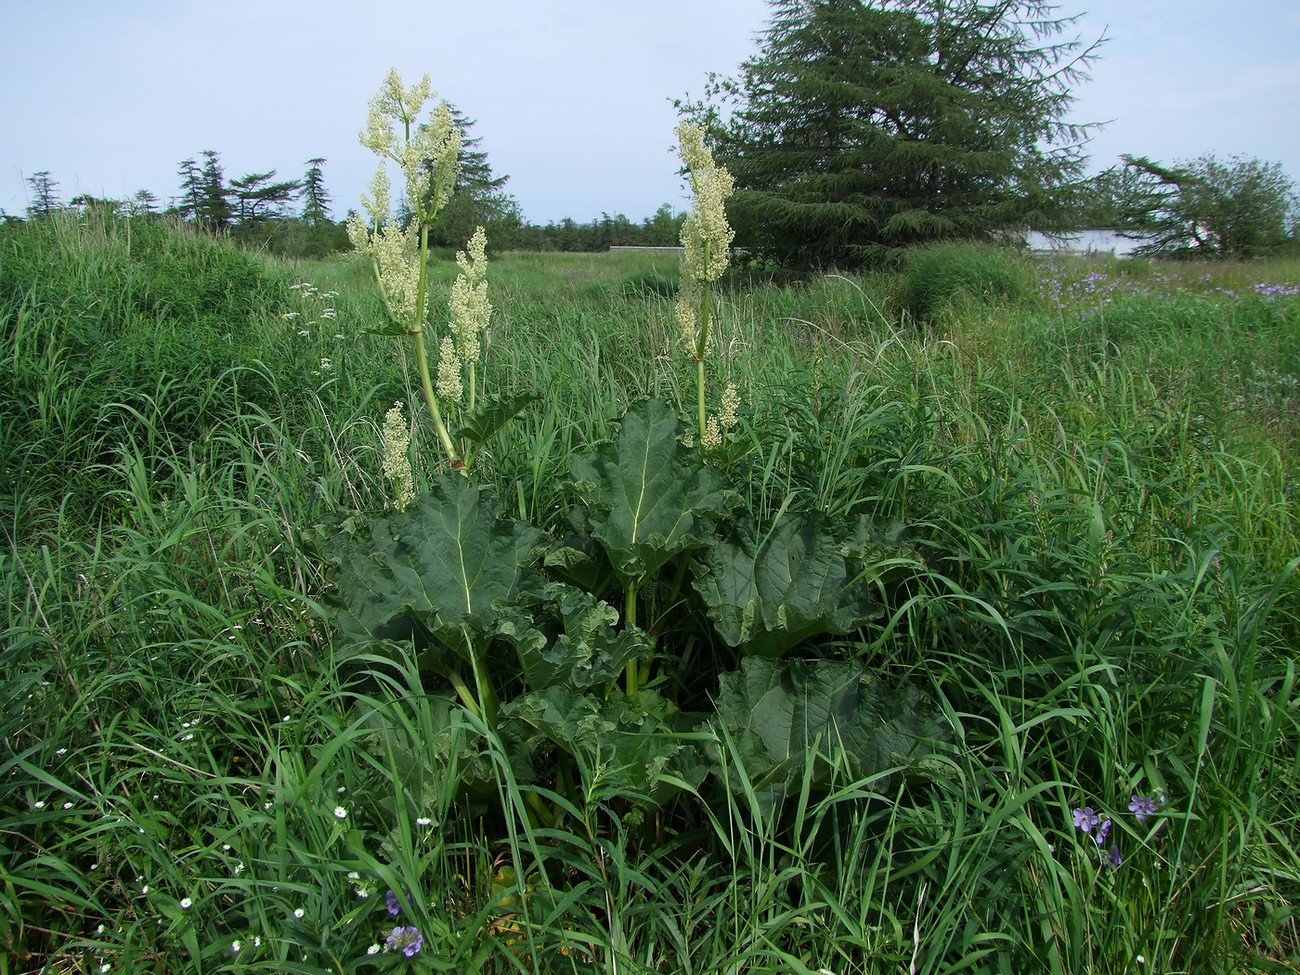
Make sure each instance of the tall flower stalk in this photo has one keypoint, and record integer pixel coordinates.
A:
(428, 154)
(706, 239)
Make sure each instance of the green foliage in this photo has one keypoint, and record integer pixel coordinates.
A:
(769, 594)
(648, 497)
(862, 128)
(1208, 208)
(1097, 600)
(938, 275)
(798, 722)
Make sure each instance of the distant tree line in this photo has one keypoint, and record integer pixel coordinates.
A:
(859, 130)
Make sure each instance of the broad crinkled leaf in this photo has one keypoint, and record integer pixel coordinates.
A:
(588, 650)
(778, 712)
(491, 414)
(768, 594)
(648, 496)
(441, 568)
(632, 741)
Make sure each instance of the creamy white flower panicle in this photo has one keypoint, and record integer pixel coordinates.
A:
(397, 457)
(706, 235)
(727, 414)
(712, 435)
(397, 264)
(470, 308)
(449, 384)
(431, 163)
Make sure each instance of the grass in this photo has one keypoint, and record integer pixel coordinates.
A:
(1089, 484)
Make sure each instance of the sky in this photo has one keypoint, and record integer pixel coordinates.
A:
(572, 98)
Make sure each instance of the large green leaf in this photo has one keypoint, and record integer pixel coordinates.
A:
(491, 414)
(633, 742)
(587, 649)
(648, 496)
(767, 594)
(783, 714)
(440, 569)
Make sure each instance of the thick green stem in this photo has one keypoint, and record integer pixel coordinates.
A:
(633, 672)
(421, 351)
(463, 692)
(487, 695)
(702, 349)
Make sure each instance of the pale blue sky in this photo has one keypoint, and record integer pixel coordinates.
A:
(572, 97)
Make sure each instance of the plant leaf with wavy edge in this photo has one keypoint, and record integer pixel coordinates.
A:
(491, 414)
(649, 497)
(632, 741)
(768, 595)
(441, 568)
(780, 712)
(587, 651)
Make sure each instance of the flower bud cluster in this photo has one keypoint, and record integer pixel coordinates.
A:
(429, 155)
(706, 235)
(470, 308)
(397, 458)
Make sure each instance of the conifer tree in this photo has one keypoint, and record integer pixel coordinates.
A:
(865, 126)
(316, 200)
(44, 200)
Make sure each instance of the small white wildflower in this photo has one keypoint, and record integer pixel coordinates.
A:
(340, 812)
(299, 913)
(285, 718)
(235, 945)
(61, 751)
(38, 804)
(341, 789)
(373, 950)
(67, 805)
(144, 889)
(257, 941)
(237, 869)
(104, 968)
(424, 821)
(186, 903)
(100, 929)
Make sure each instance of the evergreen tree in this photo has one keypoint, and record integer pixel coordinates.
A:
(186, 206)
(478, 199)
(256, 198)
(1207, 208)
(316, 200)
(44, 200)
(864, 126)
(213, 209)
(143, 203)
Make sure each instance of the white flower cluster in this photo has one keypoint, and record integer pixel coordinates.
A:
(706, 235)
(429, 155)
(397, 459)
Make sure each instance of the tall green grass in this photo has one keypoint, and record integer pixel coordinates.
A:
(1094, 491)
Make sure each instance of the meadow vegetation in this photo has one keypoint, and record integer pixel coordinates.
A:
(969, 648)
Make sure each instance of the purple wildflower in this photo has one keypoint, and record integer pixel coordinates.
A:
(394, 905)
(1102, 832)
(1085, 819)
(406, 940)
(1142, 807)
(1112, 858)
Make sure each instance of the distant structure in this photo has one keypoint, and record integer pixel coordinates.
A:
(1085, 242)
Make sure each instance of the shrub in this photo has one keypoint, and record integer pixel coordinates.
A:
(936, 276)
